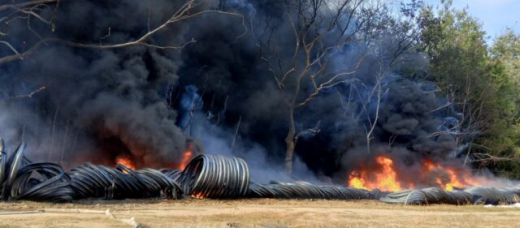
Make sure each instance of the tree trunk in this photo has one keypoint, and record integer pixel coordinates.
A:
(290, 144)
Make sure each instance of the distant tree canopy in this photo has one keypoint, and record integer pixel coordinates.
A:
(481, 81)
(506, 141)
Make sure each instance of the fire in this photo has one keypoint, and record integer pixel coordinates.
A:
(356, 180)
(454, 181)
(198, 195)
(449, 178)
(126, 161)
(385, 179)
(186, 157)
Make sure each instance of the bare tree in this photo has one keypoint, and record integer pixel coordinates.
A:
(393, 34)
(303, 67)
(322, 32)
(32, 10)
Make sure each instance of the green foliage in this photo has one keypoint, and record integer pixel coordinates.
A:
(482, 83)
(504, 54)
(507, 49)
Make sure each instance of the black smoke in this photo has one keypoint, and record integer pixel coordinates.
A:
(96, 104)
(145, 103)
(413, 123)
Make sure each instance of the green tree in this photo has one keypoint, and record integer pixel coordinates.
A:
(506, 49)
(506, 141)
(478, 85)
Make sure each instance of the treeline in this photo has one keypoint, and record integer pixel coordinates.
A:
(480, 79)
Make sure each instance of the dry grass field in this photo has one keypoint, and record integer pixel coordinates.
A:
(251, 213)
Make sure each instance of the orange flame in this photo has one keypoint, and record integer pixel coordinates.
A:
(126, 161)
(197, 195)
(385, 179)
(186, 157)
(357, 180)
(451, 178)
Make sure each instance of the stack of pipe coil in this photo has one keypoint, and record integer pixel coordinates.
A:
(173, 174)
(304, 190)
(20, 179)
(489, 195)
(215, 176)
(206, 176)
(513, 189)
(475, 195)
(90, 181)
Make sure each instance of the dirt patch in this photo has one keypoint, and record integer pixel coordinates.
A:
(251, 213)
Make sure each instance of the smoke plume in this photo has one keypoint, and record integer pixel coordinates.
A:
(146, 103)
(96, 104)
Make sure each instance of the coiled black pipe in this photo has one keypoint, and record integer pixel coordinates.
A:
(489, 195)
(427, 196)
(21, 180)
(304, 190)
(208, 176)
(90, 181)
(215, 176)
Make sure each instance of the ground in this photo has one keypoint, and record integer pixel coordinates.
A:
(251, 213)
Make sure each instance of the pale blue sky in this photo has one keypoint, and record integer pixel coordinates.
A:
(495, 15)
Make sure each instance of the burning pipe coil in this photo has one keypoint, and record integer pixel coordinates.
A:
(205, 176)
(304, 190)
(214, 176)
(472, 195)
(427, 196)
(513, 189)
(20, 179)
(173, 174)
(90, 181)
(489, 195)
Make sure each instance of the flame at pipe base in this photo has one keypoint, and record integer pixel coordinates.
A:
(386, 177)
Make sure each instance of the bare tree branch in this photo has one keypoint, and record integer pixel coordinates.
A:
(182, 14)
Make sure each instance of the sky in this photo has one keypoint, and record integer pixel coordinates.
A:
(495, 15)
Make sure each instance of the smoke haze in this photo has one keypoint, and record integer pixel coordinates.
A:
(146, 103)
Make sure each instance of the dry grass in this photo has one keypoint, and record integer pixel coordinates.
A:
(254, 213)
